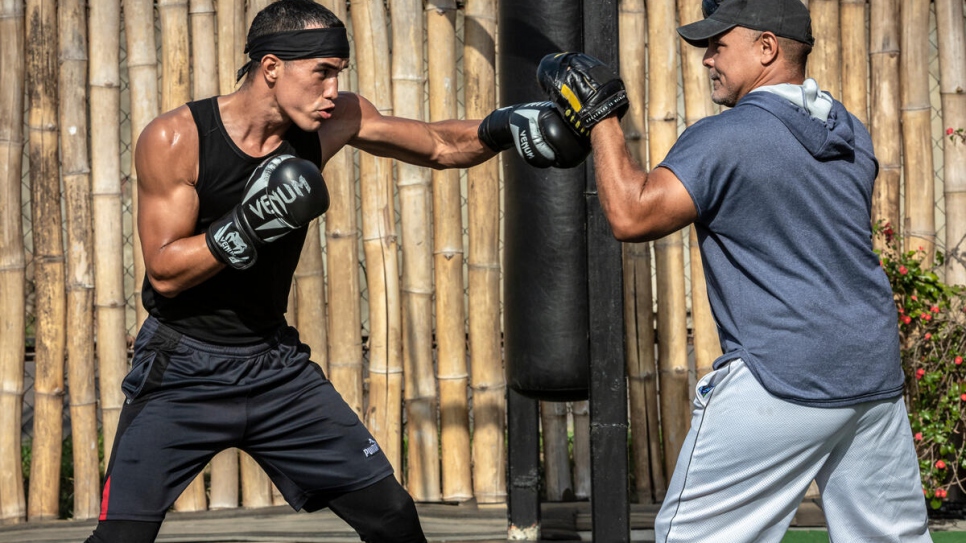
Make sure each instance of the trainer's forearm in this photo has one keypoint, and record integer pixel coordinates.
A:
(620, 181)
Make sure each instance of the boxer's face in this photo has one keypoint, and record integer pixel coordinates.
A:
(733, 62)
(306, 89)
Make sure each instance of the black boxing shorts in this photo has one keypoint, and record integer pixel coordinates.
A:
(187, 400)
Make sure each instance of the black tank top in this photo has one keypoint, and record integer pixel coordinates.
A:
(234, 306)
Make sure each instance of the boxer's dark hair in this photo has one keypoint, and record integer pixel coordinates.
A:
(288, 15)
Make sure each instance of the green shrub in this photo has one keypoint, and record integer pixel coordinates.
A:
(932, 331)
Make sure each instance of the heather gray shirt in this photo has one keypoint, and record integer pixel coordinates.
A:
(784, 205)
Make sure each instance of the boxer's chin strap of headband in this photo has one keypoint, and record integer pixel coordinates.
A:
(297, 44)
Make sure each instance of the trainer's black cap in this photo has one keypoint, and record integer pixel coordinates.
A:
(786, 18)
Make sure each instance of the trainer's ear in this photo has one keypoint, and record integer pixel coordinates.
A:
(768, 47)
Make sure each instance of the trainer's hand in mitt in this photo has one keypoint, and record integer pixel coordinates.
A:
(584, 89)
(538, 132)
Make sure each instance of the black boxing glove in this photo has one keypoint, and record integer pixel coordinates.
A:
(283, 194)
(538, 132)
(584, 89)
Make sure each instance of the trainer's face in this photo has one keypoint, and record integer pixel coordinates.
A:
(306, 90)
(734, 65)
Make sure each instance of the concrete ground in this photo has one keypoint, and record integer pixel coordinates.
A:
(442, 523)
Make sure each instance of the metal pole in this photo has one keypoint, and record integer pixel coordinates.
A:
(610, 507)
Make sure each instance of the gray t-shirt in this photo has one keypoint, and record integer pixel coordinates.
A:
(784, 205)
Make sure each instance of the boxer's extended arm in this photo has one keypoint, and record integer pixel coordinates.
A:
(439, 145)
(639, 205)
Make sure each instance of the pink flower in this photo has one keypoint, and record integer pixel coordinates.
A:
(918, 436)
(928, 336)
(958, 360)
(903, 270)
(949, 131)
(940, 464)
(919, 373)
(914, 298)
(963, 397)
(926, 317)
(906, 319)
(934, 309)
(941, 493)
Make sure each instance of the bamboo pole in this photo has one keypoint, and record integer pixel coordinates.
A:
(697, 105)
(175, 54)
(650, 481)
(952, 90)
(483, 263)
(919, 227)
(342, 248)
(582, 475)
(448, 263)
(342, 251)
(309, 293)
(556, 457)
(104, 20)
(884, 55)
(707, 347)
(633, 30)
(214, 68)
(204, 56)
(384, 413)
(224, 480)
(12, 261)
(142, 65)
(413, 182)
(175, 91)
(256, 487)
(669, 250)
(310, 296)
(72, 22)
(230, 15)
(41, 62)
(855, 58)
(825, 62)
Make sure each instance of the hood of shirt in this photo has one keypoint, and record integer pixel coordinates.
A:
(821, 124)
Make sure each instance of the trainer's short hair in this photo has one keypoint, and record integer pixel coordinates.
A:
(288, 15)
(796, 52)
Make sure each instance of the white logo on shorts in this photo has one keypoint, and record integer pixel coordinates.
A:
(372, 449)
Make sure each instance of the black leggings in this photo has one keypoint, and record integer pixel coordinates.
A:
(381, 513)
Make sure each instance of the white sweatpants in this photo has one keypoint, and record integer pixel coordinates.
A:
(749, 458)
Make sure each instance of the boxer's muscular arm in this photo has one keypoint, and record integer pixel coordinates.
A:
(442, 144)
(639, 205)
(166, 159)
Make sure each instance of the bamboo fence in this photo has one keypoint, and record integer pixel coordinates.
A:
(48, 260)
(952, 89)
(12, 260)
(672, 333)
(415, 199)
(452, 375)
(483, 263)
(401, 323)
(75, 168)
(919, 226)
(884, 121)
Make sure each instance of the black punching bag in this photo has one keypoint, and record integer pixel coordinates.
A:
(545, 260)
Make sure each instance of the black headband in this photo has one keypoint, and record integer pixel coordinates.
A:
(297, 44)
